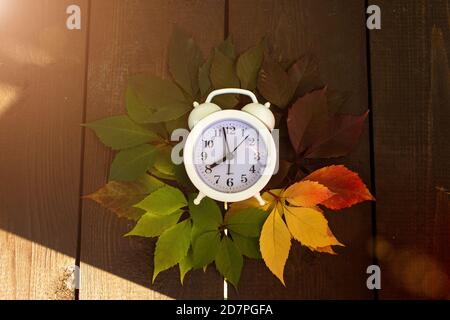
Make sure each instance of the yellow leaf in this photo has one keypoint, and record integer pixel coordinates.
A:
(253, 203)
(275, 243)
(307, 194)
(309, 227)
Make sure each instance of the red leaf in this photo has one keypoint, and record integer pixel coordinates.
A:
(341, 135)
(304, 73)
(348, 187)
(307, 118)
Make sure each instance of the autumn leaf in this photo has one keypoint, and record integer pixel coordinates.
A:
(337, 99)
(309, 227)
(307, 119)
(307, 194)
(347, 186)
(185, 59)
(305, 75)
(120, 197)
(339, 138)
(328, 249)
(274, 83)
(283, 170)
(275, 244)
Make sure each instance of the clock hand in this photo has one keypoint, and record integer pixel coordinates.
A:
(227, 156)
(215, 164)
(239, 144)
(227, 147)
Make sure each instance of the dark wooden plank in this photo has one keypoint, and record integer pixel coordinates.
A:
(410, 77)
(129, 37)
(42, 73)
(335, 32)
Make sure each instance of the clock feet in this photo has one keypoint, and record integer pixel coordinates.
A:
(199, 198)
(260, 200)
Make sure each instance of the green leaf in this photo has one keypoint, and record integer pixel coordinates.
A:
(205, 247)
(185, 265)
(153, 225)
(182, 178)
(160, 175)
(119, 197)
(223, 75)
(229, 261)
(163, 201)
(227, 48)
(185, 58)
(247, 222)
(121, 132)
(130, 164)
(180, 123)
(172, 247)
(152, 100)
(207, 215)
(249, 247)
(274, 83)
(203, 76)
(163, 162)
(248, 66)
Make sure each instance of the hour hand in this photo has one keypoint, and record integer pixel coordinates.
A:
(228, 156)
(215, 164)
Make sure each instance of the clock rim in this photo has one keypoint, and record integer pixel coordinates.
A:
(224, 115)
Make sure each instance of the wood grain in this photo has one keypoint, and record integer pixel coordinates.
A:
(129, 37)
(335, 32)
(41, 101)
(410, 77)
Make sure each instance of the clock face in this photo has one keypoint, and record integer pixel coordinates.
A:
(229, 156)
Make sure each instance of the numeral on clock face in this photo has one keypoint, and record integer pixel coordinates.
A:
(230, 156)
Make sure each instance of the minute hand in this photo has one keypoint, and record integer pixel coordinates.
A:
(215, 164)
(239, 144)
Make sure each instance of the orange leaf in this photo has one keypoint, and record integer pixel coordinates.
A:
(348, 187)
(328, 249)
(307, 194)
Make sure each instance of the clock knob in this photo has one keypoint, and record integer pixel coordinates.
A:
(262, 112)
(201, 111)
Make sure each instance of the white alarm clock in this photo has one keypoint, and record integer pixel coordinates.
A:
(230, 155)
